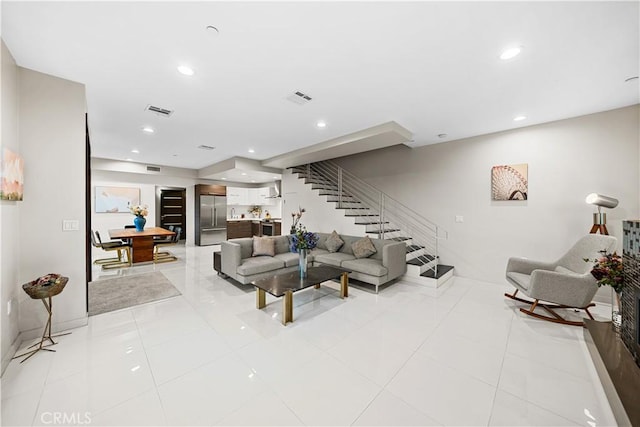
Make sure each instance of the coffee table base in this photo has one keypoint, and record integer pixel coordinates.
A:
(287, 300)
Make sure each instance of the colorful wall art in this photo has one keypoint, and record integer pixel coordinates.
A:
(510, 182)
(12, 172)
(116, 199)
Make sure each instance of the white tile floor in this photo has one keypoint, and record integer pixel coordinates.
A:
(461, 355)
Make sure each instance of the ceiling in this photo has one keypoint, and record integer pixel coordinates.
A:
(431, 67)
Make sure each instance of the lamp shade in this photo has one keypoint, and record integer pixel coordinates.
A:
(600, 200)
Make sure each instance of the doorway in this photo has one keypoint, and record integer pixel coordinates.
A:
(173, 203)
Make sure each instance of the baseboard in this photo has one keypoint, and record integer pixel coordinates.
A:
(55, 328)
(15, 345)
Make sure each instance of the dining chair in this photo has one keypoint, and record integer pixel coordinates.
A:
(166, 256)
(113, 245)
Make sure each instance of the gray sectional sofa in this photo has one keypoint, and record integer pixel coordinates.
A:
(388, 263)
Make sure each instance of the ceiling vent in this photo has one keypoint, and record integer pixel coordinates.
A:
(206, 147)
(153, 169)
(159, 111)
(299, 98)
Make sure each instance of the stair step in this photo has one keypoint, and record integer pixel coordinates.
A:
(400, 238)
(422, 260)
(326, 187)
(371, 222)
(391, 230)
(361, 214)
(413, 248)
(442, 270)
(351, 207)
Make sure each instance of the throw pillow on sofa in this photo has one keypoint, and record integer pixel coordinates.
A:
(264, 246)
(363, 248)
(334, 242)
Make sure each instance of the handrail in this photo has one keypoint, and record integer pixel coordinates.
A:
(394, 219)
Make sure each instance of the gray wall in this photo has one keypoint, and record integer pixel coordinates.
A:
(567, 160)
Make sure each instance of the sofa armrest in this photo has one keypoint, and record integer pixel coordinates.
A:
(526, 266)
(394, 258)
(231, 258)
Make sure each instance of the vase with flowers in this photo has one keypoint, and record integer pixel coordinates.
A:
(302, 241)
(608, 271)
(255, 211)
(140, 212)
(295, 219)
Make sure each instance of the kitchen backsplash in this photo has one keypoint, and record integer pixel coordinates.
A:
(236, 211)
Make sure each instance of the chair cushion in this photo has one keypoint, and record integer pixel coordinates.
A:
(363, 248)
(258, 265)
(523, 280)
(334, 259)
(263, 246)
(561, 269)
(372, 267)
(334, 242)
(290, 259)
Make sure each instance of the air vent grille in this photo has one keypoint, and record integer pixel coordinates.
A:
(206, 147)
(153, 169)
(164, 112)
(299, 98)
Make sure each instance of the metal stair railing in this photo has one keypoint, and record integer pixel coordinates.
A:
(395, 220)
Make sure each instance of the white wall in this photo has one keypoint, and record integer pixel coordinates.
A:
(567, 160)
(9, 211)
(51, 129)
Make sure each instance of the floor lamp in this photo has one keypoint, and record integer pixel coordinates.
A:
(600, 218)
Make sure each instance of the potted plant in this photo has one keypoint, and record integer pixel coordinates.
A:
(608, 271)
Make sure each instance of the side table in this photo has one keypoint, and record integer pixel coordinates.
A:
(43, 289)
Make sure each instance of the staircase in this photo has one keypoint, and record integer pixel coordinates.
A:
(383, 217)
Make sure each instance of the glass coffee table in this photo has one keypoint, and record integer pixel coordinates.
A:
(287, 283)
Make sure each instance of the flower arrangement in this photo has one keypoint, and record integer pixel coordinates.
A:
(48, 279)
(139, 210)
(295, 218)
(303, 239)
(607, 270)
(255, 210)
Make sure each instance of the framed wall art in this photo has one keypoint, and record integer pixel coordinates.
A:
(12, 173)
(510, 182)
(116, 199)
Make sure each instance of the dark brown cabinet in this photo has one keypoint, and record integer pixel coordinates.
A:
(255, 228)
(237, 229)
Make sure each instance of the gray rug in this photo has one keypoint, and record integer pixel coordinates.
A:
(122, 292)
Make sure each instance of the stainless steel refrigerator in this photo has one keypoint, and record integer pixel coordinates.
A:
(213, 220)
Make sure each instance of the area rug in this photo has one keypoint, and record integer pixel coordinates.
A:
(123, 292)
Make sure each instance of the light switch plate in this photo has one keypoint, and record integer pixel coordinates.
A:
(459, 218)
(70, 225)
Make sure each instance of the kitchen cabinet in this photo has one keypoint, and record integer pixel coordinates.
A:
(255, 228)
(237, 229)
(277, 228)
(238, 196)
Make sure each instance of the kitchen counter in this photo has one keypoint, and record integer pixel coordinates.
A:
(254, 219)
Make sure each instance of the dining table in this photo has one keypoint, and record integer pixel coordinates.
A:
(141, 241)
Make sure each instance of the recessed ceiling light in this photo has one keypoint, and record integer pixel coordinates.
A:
(519, 118)
(253, 180)
(187, 71)
(135, 151)
(321, 124)
(251, 150)
(243, 174)
(129, 160)
(511, 52)
(224, 179)
(148, 129)
(274, 177)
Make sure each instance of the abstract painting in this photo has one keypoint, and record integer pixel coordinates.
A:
(116, 199)
(12, 172)
(510, 182)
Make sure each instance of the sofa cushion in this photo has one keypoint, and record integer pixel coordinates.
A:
(334, 259)
(372, 267)
(363, 248)
(334, 242)
(290, 259)
(282, 244)
(322, 240)
(258, 265)
(263, 246)
(313, 253)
